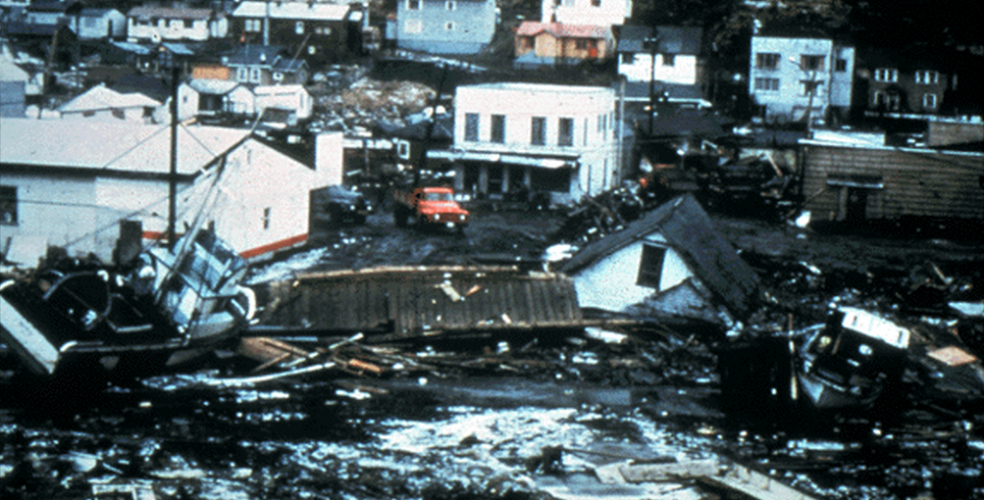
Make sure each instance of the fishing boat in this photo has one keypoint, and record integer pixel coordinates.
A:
(163, 309)
(849, 361)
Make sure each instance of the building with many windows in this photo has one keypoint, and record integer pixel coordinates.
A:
(512, 139)
(794, 75)
(445, 26)
(317, 32)
(890, 82)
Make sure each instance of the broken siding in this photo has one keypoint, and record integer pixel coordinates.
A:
(413, 300)
(912, 182)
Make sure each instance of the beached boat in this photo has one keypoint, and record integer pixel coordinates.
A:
(165, 308)
(849, 361)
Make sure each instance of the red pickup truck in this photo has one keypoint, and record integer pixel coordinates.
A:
(433, 206)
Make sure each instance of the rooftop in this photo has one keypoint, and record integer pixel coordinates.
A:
(110, 146)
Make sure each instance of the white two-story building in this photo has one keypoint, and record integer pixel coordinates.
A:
(512, 139)
(795, 75)
(586, 12)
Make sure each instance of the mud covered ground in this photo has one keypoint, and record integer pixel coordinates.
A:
(450, 436)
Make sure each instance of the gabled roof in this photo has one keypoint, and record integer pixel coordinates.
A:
(97, 12)
(101, 97)
(212, 87)
(307, 11)
(147, 12)
(691, 233)
(112, 146)
(558, 30)
(10, 72)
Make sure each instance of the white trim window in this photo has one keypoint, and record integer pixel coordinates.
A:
(413, 5)
(929, 101)
(887, 75)
(451, 5)
(253, 25)
(767, 60)
(449, 26)
(767, 84)
(927, 77)
(299, 28)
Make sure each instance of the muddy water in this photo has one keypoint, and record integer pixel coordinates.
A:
(188, 436)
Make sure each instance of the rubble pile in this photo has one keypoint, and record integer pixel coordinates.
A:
(367, 102)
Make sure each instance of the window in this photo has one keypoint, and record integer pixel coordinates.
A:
(767, 84)
(118, 113)
(189, 23)
(254, 75)
(413, 4)
(927, 77)
(498, 128)
(807, 86)
(449, 26)
(413, 26)
(471, 127)
(596, 3)
(929, 101)
(8, 205)
(538, 131)
(527, 42)
(812, 63)
(651, 266)
(450, 5)
(840, 65)
(669, 59)
(299, 27)
(766, 60)
(890, 75)
(882, 100)
(253, 25)
(266, 218)
(242, 75)
(565, 132)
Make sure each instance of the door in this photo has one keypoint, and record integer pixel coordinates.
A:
(855, 209)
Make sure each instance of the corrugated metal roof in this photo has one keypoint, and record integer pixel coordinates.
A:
(122, 146)
(691, 233)
(413, 301)
(313, 11)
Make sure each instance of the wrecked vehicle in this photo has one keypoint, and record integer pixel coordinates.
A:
(752, 180)
(342, 204)
(165, 310)
(429, 206)
(849, 361)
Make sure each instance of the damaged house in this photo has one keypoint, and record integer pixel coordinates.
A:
(670, 264)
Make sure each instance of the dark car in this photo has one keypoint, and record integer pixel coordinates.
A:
(341, 204)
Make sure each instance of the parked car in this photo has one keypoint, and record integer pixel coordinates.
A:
(341, 204)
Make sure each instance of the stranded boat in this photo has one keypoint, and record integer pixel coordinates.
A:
(169, 307)
(849, 361)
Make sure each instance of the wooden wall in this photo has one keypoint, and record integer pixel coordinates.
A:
(922, 183)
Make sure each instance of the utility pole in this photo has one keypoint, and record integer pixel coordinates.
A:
(172, 179)
(653, 43)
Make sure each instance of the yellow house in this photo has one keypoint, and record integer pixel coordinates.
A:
(554, 43)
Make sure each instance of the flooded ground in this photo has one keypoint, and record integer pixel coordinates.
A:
(447, 436)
